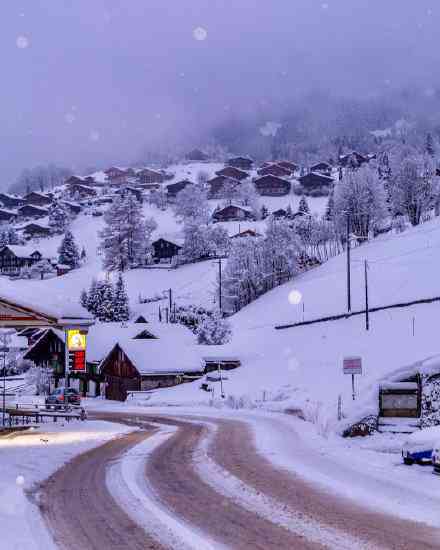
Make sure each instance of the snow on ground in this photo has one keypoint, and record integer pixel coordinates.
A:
(30, 457)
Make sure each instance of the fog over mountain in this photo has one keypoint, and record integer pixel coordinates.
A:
(96, 81)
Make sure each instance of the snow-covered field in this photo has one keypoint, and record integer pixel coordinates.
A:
(30, 457)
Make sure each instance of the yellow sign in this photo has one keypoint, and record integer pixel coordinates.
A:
(76, 340)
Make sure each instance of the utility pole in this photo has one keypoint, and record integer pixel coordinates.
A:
(367, 313)
(220, 284)
(170, 299)
(348, 266)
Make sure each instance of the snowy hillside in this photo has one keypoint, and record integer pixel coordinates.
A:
(301, 367)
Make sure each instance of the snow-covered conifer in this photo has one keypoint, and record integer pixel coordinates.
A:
(121, 309)
(192, 204)
(105, 301)
(58, 218)
(68, 253)
(303, 207)
(214, 330)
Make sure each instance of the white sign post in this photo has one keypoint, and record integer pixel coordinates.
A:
(352, 365)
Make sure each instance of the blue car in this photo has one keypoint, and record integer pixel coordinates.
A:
(419, 446)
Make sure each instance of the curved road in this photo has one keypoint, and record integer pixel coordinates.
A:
(81, 513)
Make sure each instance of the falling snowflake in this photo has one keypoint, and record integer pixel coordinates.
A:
(94, 135)
(295, 297)
(200, 34)
(20, 481)
(69, 118)
(22, 42)
(270, 129)
(293, 364)
(324, 6)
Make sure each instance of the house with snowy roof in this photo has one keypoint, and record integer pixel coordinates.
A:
(272, 186)
(13, 258)
(243, 163)
(275, 170)
(232, 172)
(29, 211)
(38, 199)
(7, 215)
(166, 248)
(233, 213)
(218, 186)
(11, 201)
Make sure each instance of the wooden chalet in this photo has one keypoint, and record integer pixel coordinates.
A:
(80, 180)
(196, 155)
(288, 165)
(280, 214)
(11, 201)
(32, 211)
(71, 207)
(135, 191)
(217, 186)
(116, 176)
(353, 160)
(272, 186)
(214, 363)
(243, 163)
(174, 188)
(322, 168)
(13, 258)
(165, 250)
(233, 213)
(275, 170)
(148, 176)
(38, 199)
(232, 172)
(48, 351)
(314, 180)
(34, 230)
(78, 190)
(7, 215)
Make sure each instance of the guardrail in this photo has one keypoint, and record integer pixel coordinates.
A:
(37, 411)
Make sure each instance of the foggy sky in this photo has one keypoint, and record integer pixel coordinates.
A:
(97, 80)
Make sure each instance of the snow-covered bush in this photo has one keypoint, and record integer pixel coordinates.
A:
(214, 330)
(430, 402)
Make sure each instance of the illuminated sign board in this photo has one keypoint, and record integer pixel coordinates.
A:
(76, 340)
(77, 361)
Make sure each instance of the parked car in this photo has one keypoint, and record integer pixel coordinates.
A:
(419, 446)
(63, 396)
(436, 458)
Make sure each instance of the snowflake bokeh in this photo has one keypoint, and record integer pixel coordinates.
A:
(22, 42)
(200, 34)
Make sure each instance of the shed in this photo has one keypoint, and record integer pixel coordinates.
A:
(165, 249)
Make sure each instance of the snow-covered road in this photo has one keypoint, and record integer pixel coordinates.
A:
(217, 480)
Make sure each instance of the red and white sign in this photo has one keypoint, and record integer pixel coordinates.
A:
(352, 365)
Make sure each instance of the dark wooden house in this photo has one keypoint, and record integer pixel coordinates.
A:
(32, 211)
(48, 351)
(353, 160)
(7, 215)
(14, 257)
(11, 201)
(245, 234)
(147, 364)
(243, 163)
(71, 207)
(291, 166)
(116, 176)
(217, 186)
(275, 170)
(272, 186)
(232, 172)
(81, 191)
(322, 168)
(174, 188)
(165, 250)
(38, 199)
(196, 155)
(148, 176)
(35, 230)
(314, 180)
(233, 213)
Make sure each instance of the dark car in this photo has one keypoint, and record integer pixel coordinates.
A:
(63, 397)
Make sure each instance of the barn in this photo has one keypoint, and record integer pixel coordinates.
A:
(322, 168)
(144, 357)
(34, 230)
(174, 188)
(272, 186)
(32, 211)
(165, 249)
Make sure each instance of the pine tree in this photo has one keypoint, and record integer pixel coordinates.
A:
(430, 402)
(68, 251)
(430, 145)
(126, 237)
(84, 299)
(121, 309)
(289, 212)
(105, 301)
(83, 255)
(214, 330)
(329, 211)
(264, 212)
(92, 298)
(303, 207)
(58, 219)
